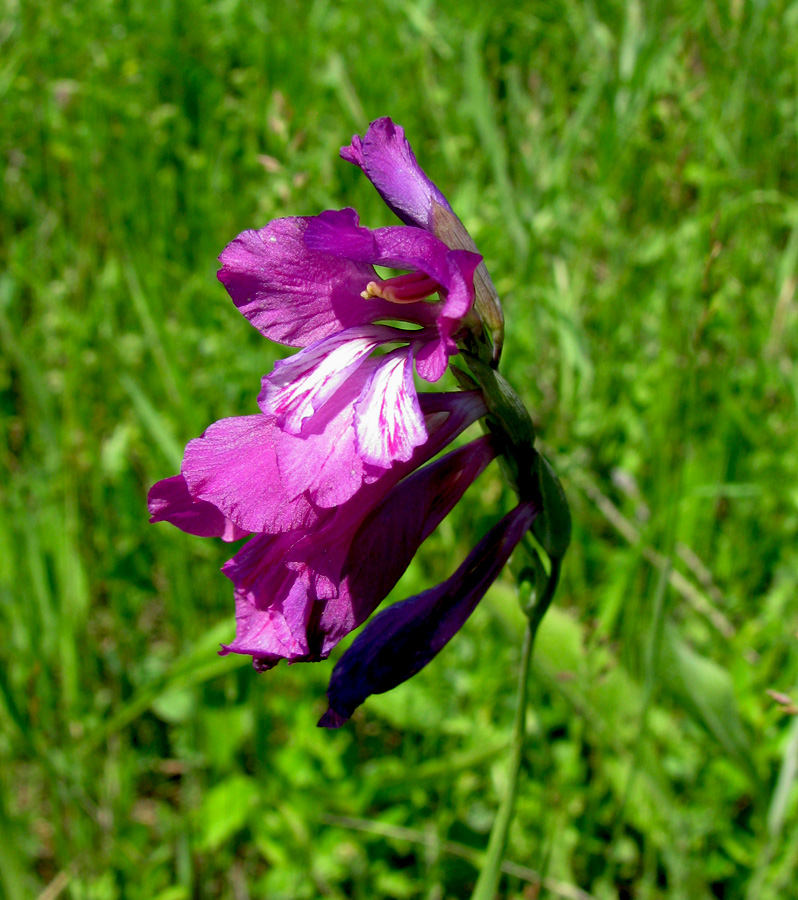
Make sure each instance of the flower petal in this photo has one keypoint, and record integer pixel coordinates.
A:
(292, 293)
(460, 295)
(372, 551)
(387, 159)
(303, 383)
(433, 358)
(387, 540)
(295, 582)
(388, 419)
(400, 641)
(325, 461)
(399, 247)
(233, 465)
(272, 604)
(169, 500)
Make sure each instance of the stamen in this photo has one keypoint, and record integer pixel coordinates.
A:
(402, 289)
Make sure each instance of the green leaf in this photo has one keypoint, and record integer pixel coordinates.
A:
(225, 810)
(783, 792)
(707, 691)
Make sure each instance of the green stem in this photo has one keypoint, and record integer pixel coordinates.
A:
(488, 880)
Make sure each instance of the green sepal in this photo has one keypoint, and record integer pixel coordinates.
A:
(464, 381)
(535, 576)
(552, 527)
(509, 423)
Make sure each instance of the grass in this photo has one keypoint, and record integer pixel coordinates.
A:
(629, 173)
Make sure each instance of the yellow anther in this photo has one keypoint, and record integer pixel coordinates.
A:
(372, 290)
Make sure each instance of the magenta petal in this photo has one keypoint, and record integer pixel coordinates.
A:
(354, 152)
(433, 358)
(291, 293)
(396, 246)
(330, 232)
(387, 159)
(376, 555)
(412, 248)
(460, 295)
(294, 583)
(388, 419)
(388, 539)
(303, 383)
(170, 501)
(281, 585)
(325, 461)
(233, 465)
(272, 604)
(400, 641)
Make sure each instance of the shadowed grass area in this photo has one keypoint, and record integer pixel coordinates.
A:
(628, 171)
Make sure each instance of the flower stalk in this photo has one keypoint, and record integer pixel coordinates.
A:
(488, 881)
(338, 479)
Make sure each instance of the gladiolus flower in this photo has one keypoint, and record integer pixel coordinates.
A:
(335, 480)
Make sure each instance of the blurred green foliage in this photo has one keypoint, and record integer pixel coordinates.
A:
(630, 172)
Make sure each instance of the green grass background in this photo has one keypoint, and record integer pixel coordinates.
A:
(629, 171)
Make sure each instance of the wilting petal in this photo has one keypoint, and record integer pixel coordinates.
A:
(386, 157)
(303, 383)
(388, 419)
(233, 465)
(169, 500)
(290, 292)
(400, 641)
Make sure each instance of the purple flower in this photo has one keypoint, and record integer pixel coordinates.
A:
(311, 283)
(299, 592)
(402, 639)
(336, 480)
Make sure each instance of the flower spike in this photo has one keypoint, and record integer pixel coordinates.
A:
(341, 475)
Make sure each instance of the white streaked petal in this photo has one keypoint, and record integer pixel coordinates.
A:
(303, 383)
(388, 420)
